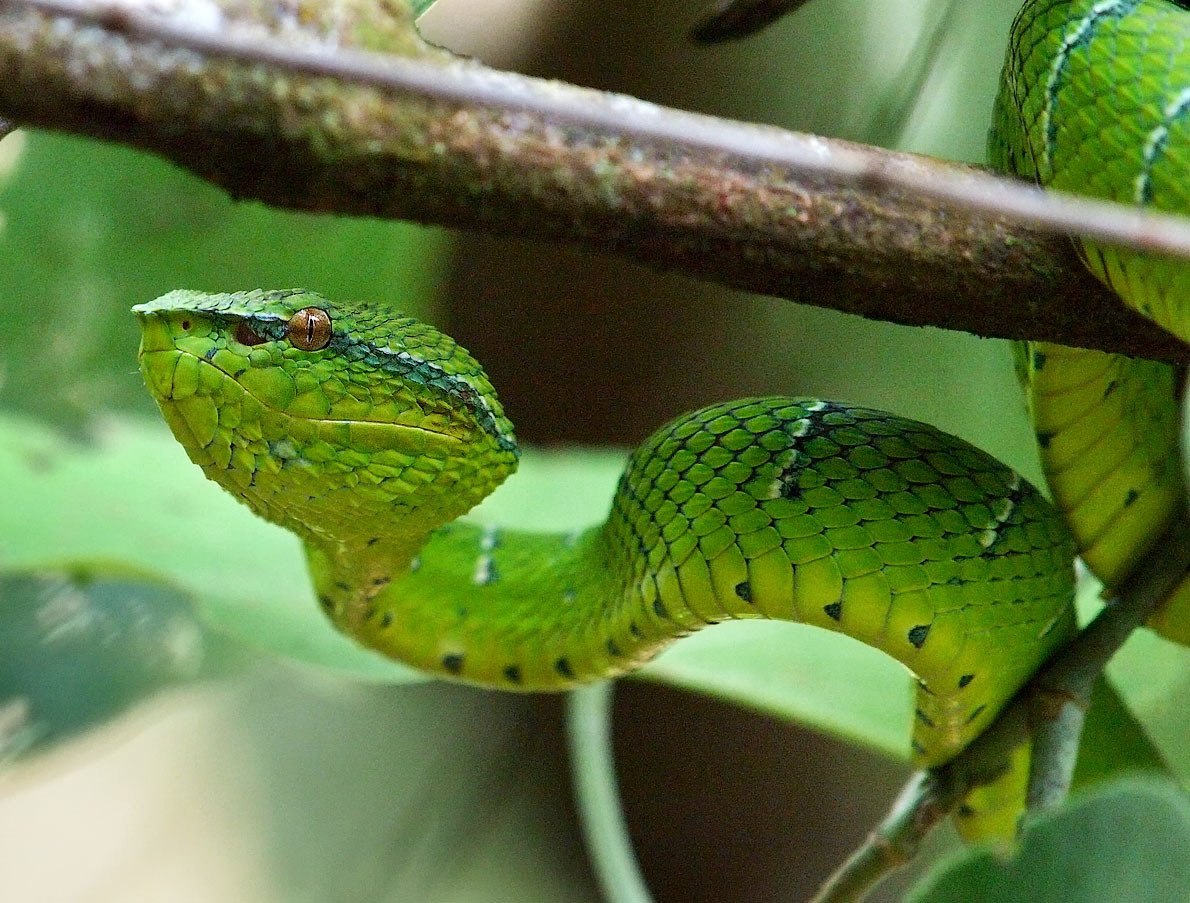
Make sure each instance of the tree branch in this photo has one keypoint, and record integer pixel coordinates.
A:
(1049, 710)
(429, 137)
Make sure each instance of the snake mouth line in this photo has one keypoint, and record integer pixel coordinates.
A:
(203, 361)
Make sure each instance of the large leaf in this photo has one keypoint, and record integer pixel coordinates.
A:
(827, 681)
(132, 498)
(1123, 843)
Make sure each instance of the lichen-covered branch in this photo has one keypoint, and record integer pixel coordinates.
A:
(1050, 710)
(237, 91)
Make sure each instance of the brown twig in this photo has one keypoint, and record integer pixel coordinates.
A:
(289, 115)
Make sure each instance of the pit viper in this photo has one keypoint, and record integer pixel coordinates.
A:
(368, 433)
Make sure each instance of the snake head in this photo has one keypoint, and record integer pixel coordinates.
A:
(323, 416)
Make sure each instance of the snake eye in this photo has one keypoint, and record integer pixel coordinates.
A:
(309, 329)
(245, 335)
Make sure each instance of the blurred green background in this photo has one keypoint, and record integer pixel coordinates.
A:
(291, 782)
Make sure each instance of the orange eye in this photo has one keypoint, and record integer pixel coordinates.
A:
(309, 329)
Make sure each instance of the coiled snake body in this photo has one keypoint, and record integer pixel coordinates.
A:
(1095, 99)
(367, 433)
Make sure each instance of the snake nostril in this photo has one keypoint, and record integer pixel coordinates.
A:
(186, 324)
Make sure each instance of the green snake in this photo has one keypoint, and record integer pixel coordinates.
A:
(368, 433)
(1095, 98)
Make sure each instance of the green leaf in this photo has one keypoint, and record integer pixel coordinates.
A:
(805, 674)
(1113, 743)
(1123, 843)
(77, 649)
(1152, 676)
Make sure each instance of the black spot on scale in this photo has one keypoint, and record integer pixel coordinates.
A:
(1131, 497)
(373, 540)
(1038, 360)
(660, 610)
(744, 591)
(1110, 387)
(834, 610)
(453, 662)
(562, 666)
(917, 635)
(965, 679)
(964, 811)
(211, 352)
(634, 629)
(1044, 439)
(325, 602)
(975, 713)
(924, 718)
(513, 674)
(918, 748)
(386, 619)
(613, 648)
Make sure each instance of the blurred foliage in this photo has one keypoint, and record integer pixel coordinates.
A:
(1126, 842)
(91, 229)
(77, 649)
(123, 573)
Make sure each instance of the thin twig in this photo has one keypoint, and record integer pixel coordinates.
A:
(1069, 676)
(920, 806)
(1061, 692)
(443, 140)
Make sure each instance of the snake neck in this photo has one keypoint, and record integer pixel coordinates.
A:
(501, 608)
